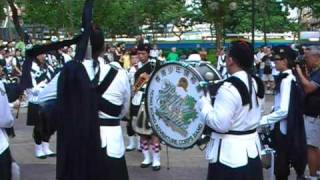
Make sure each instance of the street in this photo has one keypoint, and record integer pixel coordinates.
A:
(183, 165)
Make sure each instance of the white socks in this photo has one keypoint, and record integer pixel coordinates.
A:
(156, 159)
(133, 144)
(147, 157)
(43, 150)
(46, 149)
(38, 151)
(15, 171)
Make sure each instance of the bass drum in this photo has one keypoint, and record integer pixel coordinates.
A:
(171, 98)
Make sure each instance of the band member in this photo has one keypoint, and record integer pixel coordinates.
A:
(233, 151)
(40, 75)
(133, 141)
(111, 83)
(145, 141)
(282, 132)
(6, 121)
(114, 88)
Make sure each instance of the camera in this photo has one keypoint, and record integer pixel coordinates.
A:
(300, 60)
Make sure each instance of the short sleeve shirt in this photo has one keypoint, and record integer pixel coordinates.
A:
(315, 77)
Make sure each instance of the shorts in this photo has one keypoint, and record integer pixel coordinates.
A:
(267, 77)
(312, 126)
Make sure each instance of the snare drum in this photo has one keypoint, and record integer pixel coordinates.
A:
(171, 97)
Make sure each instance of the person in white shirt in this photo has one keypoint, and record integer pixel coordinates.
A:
(133, 142)
(150, 144)
(194, 56)
(6, 121)
(40, 76)
(284, 61)
(221, 64)
(234, 149)
(111, 83)
(155, 52)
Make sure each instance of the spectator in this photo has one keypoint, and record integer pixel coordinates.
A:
(194, 56)
(203, 54)
(221, 63)
(258, 60)
(311, 86)
(173, 55)
(155, 52)
(267, 71)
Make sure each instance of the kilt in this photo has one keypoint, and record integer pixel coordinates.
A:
(113, 168)
(33, 116)
(41, 119)
(252, 171)
(5, 165)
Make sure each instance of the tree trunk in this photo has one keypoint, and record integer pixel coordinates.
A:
(211, 32)
(218, 28)
(16, 20)
(299, 21)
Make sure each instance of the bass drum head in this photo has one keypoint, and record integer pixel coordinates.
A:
(171, 97)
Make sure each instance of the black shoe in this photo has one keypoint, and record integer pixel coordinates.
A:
(41, 157)
(301, 178)
(156, 168)
(52, 155)
(128, 150)
(145, 165)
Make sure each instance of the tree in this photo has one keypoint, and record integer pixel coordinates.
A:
(312, 8)
(118, 17)
(217, 14)
(181, 17)
(232, 16)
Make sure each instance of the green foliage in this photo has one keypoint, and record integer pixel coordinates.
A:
(2, 4)
(129, 17)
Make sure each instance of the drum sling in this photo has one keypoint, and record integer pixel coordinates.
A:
(104, 105)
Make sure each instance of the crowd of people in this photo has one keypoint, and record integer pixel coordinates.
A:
(114, 74)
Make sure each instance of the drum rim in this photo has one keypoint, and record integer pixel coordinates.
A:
(198, 75)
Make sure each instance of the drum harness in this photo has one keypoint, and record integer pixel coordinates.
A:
(245, 97)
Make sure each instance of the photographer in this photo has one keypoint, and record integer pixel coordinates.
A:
(310, 82)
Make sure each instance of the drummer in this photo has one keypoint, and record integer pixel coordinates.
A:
(233, 151)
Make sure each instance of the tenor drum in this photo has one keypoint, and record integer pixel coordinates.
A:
(171, 97)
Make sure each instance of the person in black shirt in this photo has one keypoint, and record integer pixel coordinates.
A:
(311, 85)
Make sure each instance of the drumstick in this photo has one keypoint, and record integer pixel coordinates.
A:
(18, 108)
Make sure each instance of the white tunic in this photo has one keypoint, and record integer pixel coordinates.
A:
(6, 118)
(118, 93)
(228, 114)
(34, 92)
(281, 104)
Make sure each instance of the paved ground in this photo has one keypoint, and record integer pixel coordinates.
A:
(184, 165)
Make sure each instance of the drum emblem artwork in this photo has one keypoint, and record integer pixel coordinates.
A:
(172, 95)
